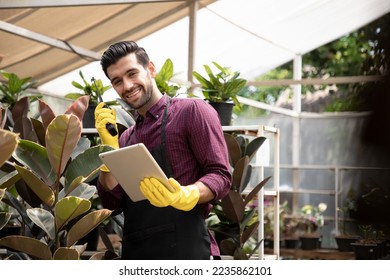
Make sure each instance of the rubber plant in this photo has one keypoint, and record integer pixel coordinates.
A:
(51, 176)
(8, 143)
(236, 215)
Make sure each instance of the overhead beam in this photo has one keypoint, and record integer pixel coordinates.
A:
(23, 32)
(13, 4)
(317, 81)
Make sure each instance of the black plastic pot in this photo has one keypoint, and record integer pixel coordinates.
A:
(225, 111)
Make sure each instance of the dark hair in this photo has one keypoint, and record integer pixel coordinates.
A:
(121, 49)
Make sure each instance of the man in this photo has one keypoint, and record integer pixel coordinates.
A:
(186, 139)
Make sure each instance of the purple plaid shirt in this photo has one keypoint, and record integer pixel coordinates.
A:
(195, 146)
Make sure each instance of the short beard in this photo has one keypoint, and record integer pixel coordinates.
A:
(146, 97)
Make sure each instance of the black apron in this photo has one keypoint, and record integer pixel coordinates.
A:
(163, 232)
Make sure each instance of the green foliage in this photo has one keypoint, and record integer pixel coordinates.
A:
(362, 52)
(234, 213)
(54, 197)
(90, 89)
(163, 79)
(15, 88)
(220, 87)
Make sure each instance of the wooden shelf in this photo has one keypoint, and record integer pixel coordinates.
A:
(319, 254)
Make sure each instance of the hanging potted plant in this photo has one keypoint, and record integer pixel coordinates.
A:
(221, 90)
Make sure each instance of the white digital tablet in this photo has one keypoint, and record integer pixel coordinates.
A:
(130, 165)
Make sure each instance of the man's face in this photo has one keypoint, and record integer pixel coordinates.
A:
(131, 81)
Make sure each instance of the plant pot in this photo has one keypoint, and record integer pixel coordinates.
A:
(92, 240)
(269, 243)
(225, 111)
(291, 243)
(310, 242)
(224, 232)
(10, 230)
(89, 117)
(344, 242)
(366, 251)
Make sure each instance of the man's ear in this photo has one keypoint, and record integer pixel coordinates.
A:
(152, 69)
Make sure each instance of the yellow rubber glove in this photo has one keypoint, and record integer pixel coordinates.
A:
(183, 197)
(103, 116)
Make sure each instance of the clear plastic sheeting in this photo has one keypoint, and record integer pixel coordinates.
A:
(333, 163)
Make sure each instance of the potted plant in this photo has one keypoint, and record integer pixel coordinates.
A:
(312, 220)
(221, 90)
(235, 216)
(8, 221)
(371, 246)
(52, 185)
(163, 79)
(92, 89)
(13, 90)
(344, 238)
(269, 222)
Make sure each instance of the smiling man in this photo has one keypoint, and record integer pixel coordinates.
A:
(186, 139)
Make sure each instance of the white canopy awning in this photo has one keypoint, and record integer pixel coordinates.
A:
(251, 36)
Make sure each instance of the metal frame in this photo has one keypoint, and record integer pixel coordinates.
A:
(263, 130)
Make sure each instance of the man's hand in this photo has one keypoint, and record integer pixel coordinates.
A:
(182, 197)
(104, 116)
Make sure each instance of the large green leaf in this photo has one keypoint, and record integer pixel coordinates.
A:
(44, 219)
(64, 253)
(34, 156)
(253, 146)
(9, 179)
(8, 143)
(28, 245)
(23, 126)
(20, 109)
(62, 136)
(74, 184)
(86, 224)
(78, 167)
(39, 131)
(79, 106)
(248, 232)
(255, 190)
(239, 173)
(228, 246)
(69, 208)
(83, 191)
(47, 114)
(4, 218)
(234, 148)
(42, 190)
(83, 144)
